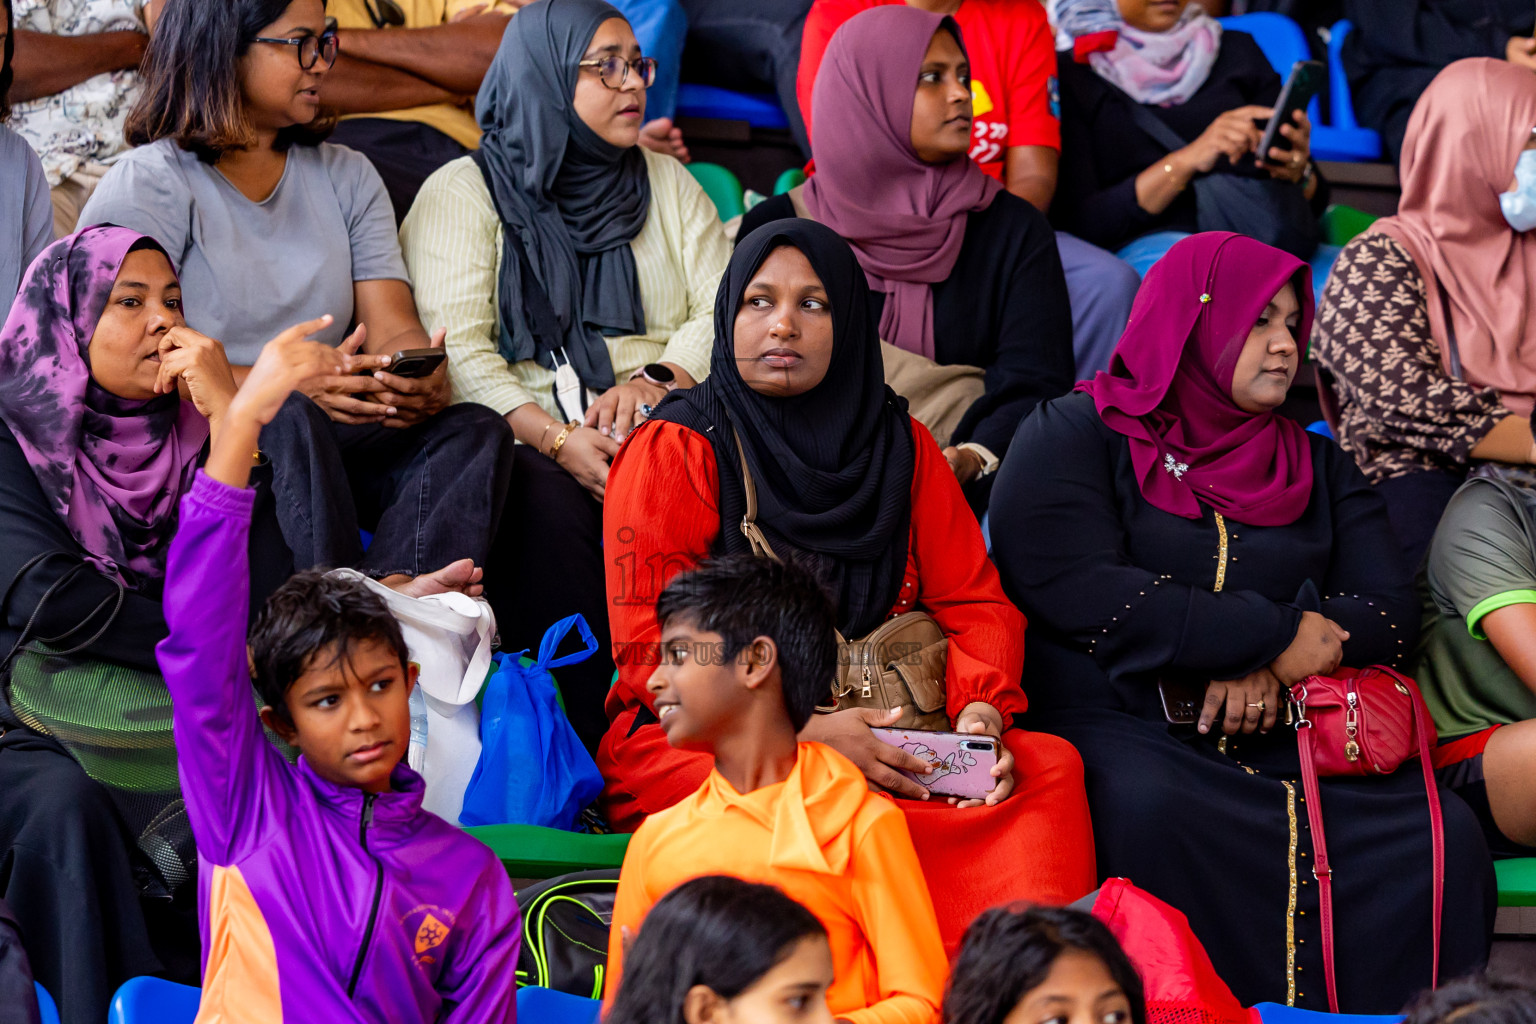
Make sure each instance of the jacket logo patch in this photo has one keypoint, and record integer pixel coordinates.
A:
(431, 926)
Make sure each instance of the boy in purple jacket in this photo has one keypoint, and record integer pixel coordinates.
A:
(325, 892)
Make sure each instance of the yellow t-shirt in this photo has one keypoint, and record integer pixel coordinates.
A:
(455, 122)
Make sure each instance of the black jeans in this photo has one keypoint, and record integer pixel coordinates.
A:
(550, 548)
(405, 153)
(430, 494)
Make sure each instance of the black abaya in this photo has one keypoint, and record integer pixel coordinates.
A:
(1118, 593)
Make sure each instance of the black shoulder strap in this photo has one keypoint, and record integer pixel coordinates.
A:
(1450, 333)
(541, 312)
(1154, 126)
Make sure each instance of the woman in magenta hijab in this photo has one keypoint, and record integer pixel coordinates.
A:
(965, 273)
(1184, 553)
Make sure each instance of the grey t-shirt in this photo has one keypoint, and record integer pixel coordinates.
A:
(26, 213)
(1483, 558)
(250, 270)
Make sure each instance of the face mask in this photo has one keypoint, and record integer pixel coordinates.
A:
(1519, 206)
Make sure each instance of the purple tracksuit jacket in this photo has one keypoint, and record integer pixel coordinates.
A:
(317, 903)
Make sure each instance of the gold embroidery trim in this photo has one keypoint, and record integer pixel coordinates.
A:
(1290, 909)
(1221, 552)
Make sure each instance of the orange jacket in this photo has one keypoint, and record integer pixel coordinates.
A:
(824, 839)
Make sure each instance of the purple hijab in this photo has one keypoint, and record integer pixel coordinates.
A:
(904, 218)
(1169, 386)
(112, 468)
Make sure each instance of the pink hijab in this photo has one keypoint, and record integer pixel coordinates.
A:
(904, 218)
(1463, 140)
(1169, 386)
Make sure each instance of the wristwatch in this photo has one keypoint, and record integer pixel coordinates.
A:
(658, 374)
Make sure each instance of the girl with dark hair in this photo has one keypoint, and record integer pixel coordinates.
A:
(268, 225)
(26, 215)
(718, 948)
(1042, 963)
(1475, 1000)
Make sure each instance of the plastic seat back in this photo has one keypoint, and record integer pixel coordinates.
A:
(154, 1001)
(722, 187)
(547, 1006)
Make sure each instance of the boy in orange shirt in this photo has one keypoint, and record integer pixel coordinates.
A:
(748, 648)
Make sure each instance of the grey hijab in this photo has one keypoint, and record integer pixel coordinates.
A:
(570, 203)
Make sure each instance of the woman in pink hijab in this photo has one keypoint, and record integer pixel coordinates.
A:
(1426, 325)
(1185, 553)
(965, 273)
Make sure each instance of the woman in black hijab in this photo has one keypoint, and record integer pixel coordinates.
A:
(574, 272)
(845, 479)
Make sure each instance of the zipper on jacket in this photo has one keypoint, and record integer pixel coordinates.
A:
(378, 893)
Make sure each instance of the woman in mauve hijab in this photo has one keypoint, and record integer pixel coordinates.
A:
(1168, 532)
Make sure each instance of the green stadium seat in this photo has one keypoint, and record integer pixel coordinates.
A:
(531, 851)
(1342, 223)
(1517, 882)
(788, 180)
(722, 187)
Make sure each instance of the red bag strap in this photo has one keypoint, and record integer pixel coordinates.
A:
(1322, 870)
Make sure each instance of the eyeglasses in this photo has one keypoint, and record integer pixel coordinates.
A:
(614, 71)
(385, 13)
(311, 49)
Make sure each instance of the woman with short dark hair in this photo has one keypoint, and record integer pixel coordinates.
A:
(268, 225)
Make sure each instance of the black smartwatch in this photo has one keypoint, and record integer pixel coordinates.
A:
(658, 374)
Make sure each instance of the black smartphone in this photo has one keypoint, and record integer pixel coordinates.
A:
(414, 363)
(1305, 82)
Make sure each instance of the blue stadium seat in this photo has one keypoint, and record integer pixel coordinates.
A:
(547, 1006)
(154, 1001)
(760, 110)
(1284, 43)
(1343, 138)
(1275, 1013)
(48, 1012)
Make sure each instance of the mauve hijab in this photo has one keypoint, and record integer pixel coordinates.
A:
(1464, 137)
(574, 200)
(113, 469)
(905, 218)
(1168, 389)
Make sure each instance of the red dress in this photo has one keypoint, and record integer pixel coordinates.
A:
(661, 516)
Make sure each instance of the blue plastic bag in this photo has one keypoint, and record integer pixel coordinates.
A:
(533, 769)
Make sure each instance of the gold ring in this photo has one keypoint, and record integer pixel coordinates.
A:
(1259, 705)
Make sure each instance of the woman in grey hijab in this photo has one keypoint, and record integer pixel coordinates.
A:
(575, 273)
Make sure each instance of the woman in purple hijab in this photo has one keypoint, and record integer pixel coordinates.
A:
(96, 448)
(1184, 553)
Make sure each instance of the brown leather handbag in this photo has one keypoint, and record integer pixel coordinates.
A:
(900, 664)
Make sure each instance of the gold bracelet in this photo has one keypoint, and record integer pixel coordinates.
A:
(545, 432)
(554, 449)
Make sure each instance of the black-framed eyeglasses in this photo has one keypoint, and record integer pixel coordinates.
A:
(385, 13)
(614, 71)
(311, 49)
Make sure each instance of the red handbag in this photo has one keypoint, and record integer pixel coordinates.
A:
(1363, 722)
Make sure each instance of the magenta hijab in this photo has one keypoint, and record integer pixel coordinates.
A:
(1169, 386)
(112, 468)
(904, 218)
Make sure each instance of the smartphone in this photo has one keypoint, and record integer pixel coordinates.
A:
(962, 763)
(1305, 82)
(414, 363)
(1182, 700)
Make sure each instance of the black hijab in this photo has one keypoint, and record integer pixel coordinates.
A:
(833, 467)
(570, 203)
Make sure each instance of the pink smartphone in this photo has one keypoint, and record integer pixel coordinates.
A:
(962, 763)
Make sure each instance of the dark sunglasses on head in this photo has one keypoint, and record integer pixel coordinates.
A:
(311, 49)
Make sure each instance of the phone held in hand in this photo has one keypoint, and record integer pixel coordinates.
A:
(962, 763)
(1305, 81)
(415, 363)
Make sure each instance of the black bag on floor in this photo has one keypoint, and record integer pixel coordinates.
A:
(565, 931)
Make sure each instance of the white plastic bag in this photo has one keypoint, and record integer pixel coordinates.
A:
(449, 636)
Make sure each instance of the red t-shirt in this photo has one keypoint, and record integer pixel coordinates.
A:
(1013, 71)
